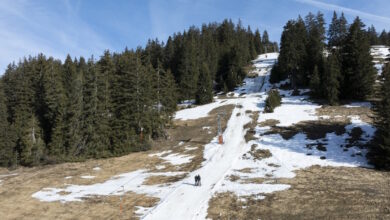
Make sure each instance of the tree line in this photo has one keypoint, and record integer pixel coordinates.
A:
(375, 38)
(336, 65)
(212, 57)
(53, 111)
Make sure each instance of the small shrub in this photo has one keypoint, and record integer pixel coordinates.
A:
(273, 100)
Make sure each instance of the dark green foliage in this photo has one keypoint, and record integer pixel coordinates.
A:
(292, 57)
(225, 47)
(373, 35)
(380, 151)
(331, 80)
(257, 42)
(273, 100)
(337, 30)
(384, 38)
(72, 110)
(347, 73)
(8, 156)
(315, 83)
(357, 67)
(315, 26)
(53, 112)
(204, 93)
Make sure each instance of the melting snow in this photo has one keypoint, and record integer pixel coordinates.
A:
(358, 104)
(177, 159)
(293, 110)
(181, 200)
(117, 185)
(87, 177)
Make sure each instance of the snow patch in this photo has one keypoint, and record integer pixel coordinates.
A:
(293, 110)
(358, 104)
(160, 167)
(177, 159)
(252, 189)
(118, 185)
(87, 177)
(200, 111)
(160, 153)
(188, 148)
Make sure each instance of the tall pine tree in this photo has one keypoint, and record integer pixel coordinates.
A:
(358, 71)
(204, 92)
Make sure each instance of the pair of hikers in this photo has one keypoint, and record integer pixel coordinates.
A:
(197, 180)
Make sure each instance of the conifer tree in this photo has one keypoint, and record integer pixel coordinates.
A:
(331, 79)
(169, 94)
(315, 44)
(105, 69)
(125, 102)
(372, 35)
(291, 60)
(204, 92)
(89, 112)
(72, 91)
(383, 38)
(380, 151)
(188, 70)
(337, 30)
(54, 99)
(265, 42)
(258, 44)
(333, 31)
(315, 83)
(358, 71)
(8, 155)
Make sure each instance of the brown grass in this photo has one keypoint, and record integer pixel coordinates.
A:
(161, 179)
(315, 193)
(269, 122)
(257, 154)
(313, 129)
(245, 170)
(15, 191)
(251, 126)
(340, 113)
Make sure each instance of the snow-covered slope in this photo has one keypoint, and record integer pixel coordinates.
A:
(182, 200)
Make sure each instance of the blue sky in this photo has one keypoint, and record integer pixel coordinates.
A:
(84, 27)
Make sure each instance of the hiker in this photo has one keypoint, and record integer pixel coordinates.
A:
(196, 180)
(199, 184)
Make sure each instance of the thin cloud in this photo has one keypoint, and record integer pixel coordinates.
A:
(350, 11)
(29, 28)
